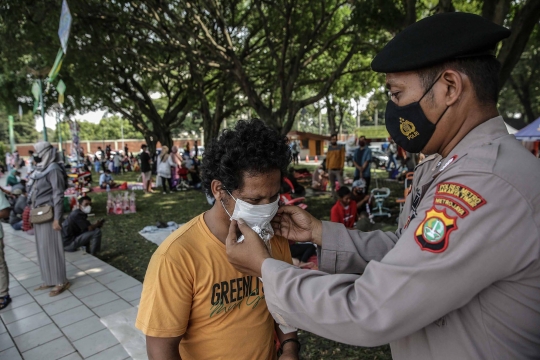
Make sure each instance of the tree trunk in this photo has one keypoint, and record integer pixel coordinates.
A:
(523, 94)
(496, 10)
(331, 116)
(410, 12)
(151, 141)
(341, 116)
(445, 6)
(522, 26)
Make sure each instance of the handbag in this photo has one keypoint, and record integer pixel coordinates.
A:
(42, 214)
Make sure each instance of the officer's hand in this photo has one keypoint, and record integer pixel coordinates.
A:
(296, 224)
(248, 255)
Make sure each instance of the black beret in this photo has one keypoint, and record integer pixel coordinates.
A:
(439, 38)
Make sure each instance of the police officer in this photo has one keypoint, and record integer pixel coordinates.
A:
(460, 278)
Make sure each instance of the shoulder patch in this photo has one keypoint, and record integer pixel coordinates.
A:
(461, 192)
(451, 204)
(434, 231)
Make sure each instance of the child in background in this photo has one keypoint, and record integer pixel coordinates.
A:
(344, 211)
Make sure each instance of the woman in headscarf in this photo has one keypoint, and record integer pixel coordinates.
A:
(164, 165)
(47, 185)
(13, 178)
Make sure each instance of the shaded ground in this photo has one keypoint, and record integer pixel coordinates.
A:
(126, 250)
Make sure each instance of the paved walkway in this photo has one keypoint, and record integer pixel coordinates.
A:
(71, 325)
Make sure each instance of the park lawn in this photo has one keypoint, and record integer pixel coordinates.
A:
(128, 251)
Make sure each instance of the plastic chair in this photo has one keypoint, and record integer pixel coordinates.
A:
(379, 195)
(408, 184)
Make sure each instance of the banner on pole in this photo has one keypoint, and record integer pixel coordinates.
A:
(11, 135)
(65, 26)
(61, 88)
(75, 146)
(36, 91)
(56, 67)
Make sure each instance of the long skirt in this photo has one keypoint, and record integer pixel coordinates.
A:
(50, 250)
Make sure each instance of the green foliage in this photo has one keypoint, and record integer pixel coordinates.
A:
(2, 153)
(24, 129)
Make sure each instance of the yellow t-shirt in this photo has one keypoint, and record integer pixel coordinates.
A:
(191, 289)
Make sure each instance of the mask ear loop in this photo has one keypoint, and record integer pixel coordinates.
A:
(428, 90)
(224, 208)
(431, 86)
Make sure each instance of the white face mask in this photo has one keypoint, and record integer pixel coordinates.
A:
(87, 209)
(18, 178)
(258, 217)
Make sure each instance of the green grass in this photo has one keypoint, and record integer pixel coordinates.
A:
(126, 250)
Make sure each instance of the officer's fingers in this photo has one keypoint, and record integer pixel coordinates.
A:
(231, 237)
(246, 230)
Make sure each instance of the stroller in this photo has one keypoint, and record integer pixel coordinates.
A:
(379, 194)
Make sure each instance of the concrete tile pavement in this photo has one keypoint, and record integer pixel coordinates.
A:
(68, 326)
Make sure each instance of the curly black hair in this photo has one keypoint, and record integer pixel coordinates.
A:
(251, 147)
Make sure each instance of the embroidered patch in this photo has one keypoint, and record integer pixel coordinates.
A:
(461, 192)
(449, 203)
(433, 233)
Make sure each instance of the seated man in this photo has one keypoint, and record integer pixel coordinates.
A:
(194, 304)
(15, 217)
(344, 211)
(359, 196)
(77, 231)
(106, 179)
(319, 181)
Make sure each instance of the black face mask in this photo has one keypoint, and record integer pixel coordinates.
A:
(408, 125)
(37, 159)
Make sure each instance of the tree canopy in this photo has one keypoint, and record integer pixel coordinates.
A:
(166, 66)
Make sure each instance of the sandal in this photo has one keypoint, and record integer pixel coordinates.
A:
(43, 287)
(6, 300)
(59, 289)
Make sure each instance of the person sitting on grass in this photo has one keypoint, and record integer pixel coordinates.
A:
(106, 179)
(359, 195)
(14, 177)
(194, 304)
(77, 231)
(15, 217)
(344, 211)
(319, 181)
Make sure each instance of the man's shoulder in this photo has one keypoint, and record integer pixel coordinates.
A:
(186, 239)
(506, 159)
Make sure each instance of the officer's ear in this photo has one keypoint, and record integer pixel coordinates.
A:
(455, 83)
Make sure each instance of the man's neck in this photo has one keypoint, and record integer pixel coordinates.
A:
(472, 120)
(217, 223)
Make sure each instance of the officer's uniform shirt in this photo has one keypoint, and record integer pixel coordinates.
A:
(460, 279)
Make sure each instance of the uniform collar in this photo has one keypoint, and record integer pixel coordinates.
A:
(488, 131)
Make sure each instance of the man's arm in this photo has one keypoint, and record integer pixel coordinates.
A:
(163, 348)
(395, 297)
(291, 348)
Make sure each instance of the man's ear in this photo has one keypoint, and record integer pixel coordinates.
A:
(454, 82)
(217, 189)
